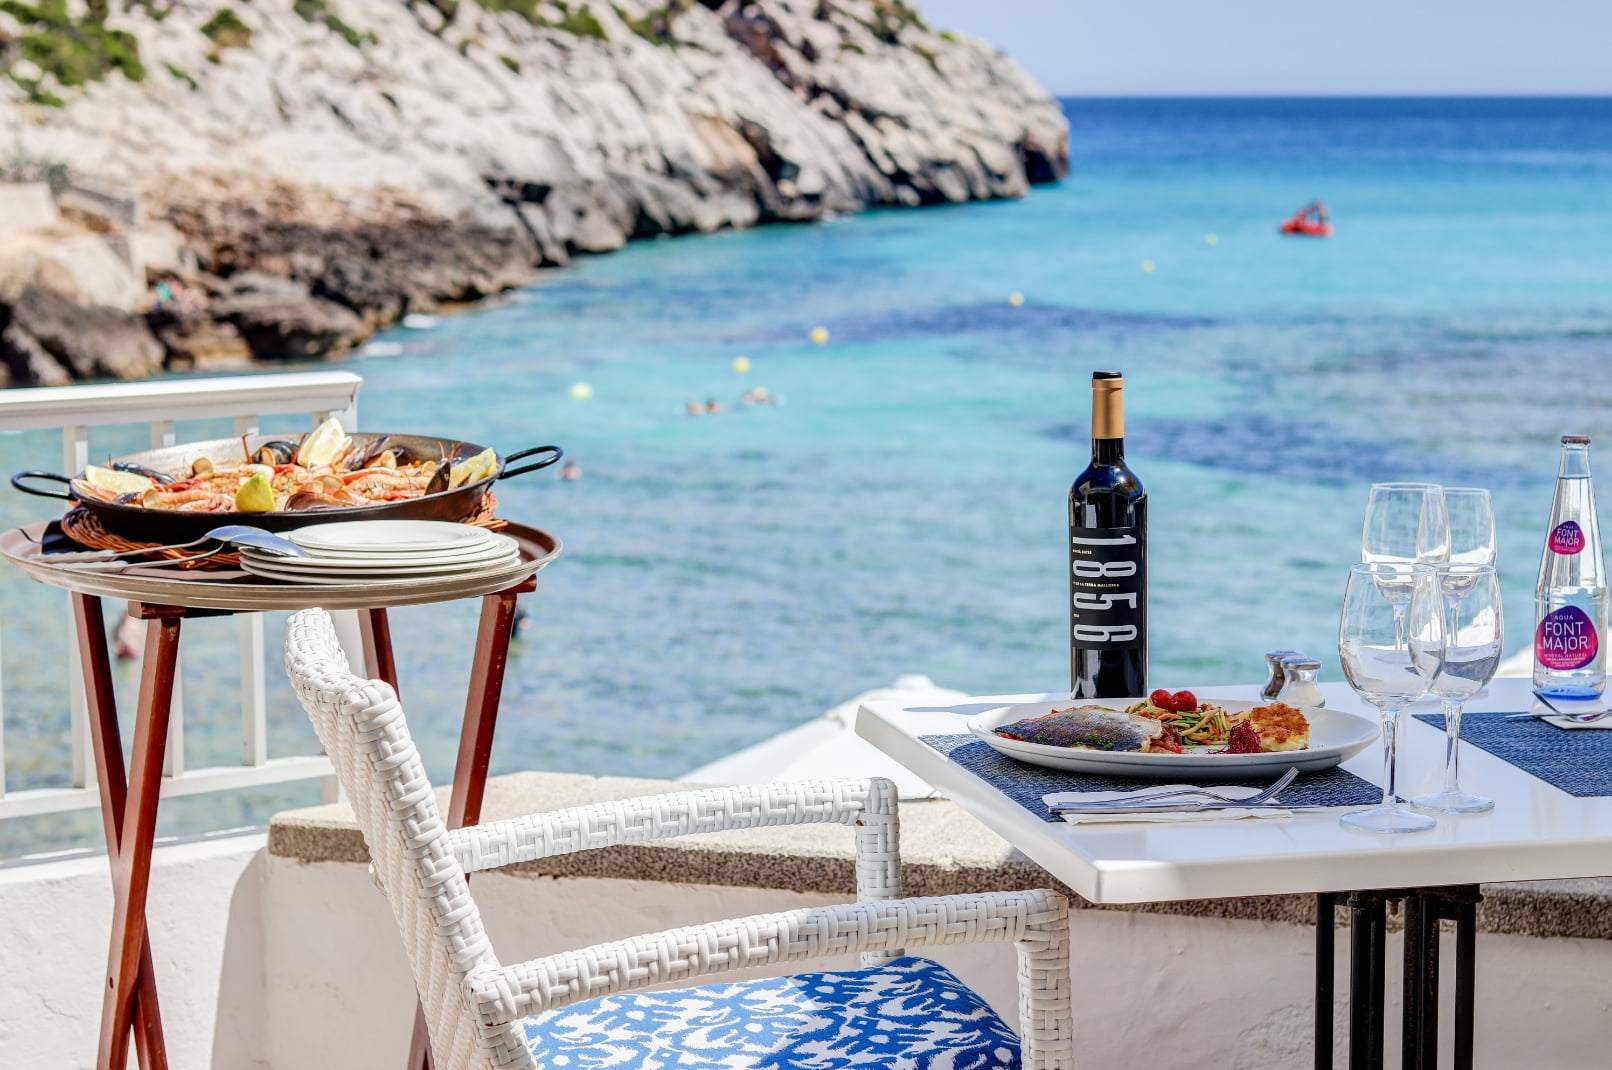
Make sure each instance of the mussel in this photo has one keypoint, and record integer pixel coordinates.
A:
(278, 451)
(440, 478)
(152, 474)
(369, 455)
(132, 497)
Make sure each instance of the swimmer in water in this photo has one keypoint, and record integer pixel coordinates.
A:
(570, 471)
(695, 408)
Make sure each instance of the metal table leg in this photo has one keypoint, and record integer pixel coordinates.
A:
(129, 813)
(1424, 909)
(1326, 942)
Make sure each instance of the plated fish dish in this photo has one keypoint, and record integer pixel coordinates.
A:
(1166, 723)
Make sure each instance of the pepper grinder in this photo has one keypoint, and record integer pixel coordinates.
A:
(1277, 678)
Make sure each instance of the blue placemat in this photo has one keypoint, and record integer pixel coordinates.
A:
(1575, 760)
(1025, 783)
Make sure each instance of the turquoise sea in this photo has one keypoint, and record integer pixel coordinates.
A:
(727, 576)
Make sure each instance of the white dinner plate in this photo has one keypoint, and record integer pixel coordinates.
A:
(496, 548)
(295, 573)
(388, 536)
(1334, 737)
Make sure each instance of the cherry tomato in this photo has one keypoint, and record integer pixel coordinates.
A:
(1183, 702)
(1162, 699)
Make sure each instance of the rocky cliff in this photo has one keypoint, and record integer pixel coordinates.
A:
(295, 173)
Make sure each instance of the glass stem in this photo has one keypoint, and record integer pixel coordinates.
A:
(1390, 752)
(1452, 739)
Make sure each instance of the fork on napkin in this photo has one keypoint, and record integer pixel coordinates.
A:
(1203, 807)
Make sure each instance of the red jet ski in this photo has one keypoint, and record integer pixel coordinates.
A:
(1310, 221)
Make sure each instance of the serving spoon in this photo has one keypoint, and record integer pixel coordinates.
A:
(227, 535)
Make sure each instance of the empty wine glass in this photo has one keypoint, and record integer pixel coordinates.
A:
(1405, 523)
(1391, 643)
(1471, 517)
(1475, 633)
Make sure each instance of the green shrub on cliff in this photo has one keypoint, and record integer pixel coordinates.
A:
(226, 30)
(69, 51)
(581, 22)
(319, 11)
(655, 26)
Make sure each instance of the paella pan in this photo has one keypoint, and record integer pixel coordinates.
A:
(177, 492)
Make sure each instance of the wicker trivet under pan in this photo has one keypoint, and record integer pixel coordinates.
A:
(82, 527)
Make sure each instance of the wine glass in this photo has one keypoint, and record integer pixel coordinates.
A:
(1405, 523)
(1391, 643)
(1471, 518)
(1475, 634)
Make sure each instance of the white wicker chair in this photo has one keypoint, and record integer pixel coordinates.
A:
(895, 1012)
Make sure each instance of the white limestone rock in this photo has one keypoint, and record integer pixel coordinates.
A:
(533, 138)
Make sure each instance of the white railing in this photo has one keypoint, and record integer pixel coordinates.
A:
(245, 399)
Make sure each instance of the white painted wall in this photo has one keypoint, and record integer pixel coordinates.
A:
(205, 915)
(272, 964)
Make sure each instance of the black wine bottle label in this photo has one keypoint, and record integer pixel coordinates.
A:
(1107, 582)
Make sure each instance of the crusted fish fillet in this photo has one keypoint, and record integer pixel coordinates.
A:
(1090, 727)
(1280, 727)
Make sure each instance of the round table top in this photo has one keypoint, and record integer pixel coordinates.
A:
(241, 591)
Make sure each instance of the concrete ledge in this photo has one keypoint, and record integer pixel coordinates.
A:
(943, 851)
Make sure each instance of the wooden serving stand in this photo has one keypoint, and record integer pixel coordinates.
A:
(167, 596)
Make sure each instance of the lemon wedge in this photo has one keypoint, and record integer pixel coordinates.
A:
(473, 469)
(256, 495)
(115, 481)
(323, 445)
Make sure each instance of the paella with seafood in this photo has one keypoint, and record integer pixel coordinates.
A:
(326, 469)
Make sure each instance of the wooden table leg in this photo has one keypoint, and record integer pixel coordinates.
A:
(379, 663)
(129, 816)
(476, 743)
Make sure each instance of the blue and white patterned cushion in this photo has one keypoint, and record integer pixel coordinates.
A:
(911, 1014)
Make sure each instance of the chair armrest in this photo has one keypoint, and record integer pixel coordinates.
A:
(1036, 920)
(869, 803)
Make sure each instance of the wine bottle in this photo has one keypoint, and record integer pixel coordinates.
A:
(1107, 558)
(1570, 599)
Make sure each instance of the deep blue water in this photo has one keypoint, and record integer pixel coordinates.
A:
(727, 576)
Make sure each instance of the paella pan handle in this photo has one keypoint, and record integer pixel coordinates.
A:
(555, 452)
(17, 481)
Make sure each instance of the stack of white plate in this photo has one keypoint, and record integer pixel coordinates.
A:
(381, 551)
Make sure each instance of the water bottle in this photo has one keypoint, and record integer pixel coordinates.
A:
(1570, 599)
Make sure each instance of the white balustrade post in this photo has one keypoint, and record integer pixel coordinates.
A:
(173, 762)
(254, 695)
(75, 455)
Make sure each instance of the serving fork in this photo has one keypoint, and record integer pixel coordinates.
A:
(1156, 802)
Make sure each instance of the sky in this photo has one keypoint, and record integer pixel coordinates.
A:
(1296, 47)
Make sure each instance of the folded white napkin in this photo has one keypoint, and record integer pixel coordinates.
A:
(1568, 710)
(1567, 722)
(1235, 791)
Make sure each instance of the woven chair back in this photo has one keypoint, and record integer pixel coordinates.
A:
(361, 724)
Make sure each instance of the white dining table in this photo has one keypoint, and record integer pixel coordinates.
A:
(1535, 832)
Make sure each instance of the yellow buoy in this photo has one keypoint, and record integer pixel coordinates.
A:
(741, 364)
(819, 335)
(581, 391)
(1211, 238)
(1147, 267)
(1016, 299)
